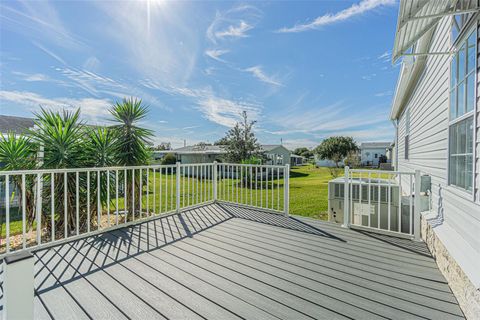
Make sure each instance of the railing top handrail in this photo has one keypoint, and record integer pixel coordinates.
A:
(91, 169)
(119, 168)
(382, 171)
(252, 165)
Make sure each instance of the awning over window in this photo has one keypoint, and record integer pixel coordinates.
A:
(416, 17)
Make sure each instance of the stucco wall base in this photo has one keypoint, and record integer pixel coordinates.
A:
(467, 295)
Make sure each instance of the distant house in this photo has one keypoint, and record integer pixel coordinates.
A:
(276, 154)
(17, 125)
(371, 152)
(199, 154)
(296, 160)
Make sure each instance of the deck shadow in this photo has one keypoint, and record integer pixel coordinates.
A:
(277, 220)
(76, 257)
(407, 244)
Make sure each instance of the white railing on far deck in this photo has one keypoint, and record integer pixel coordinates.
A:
(385, 201)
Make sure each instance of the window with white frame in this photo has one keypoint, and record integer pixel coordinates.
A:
(462, 105)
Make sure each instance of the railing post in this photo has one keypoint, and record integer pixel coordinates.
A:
(286, 190)
(416, 206)
(215, 181)
(346, 209)
(18, 286)
(177, 189)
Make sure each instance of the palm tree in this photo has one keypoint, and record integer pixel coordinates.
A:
(130, 146)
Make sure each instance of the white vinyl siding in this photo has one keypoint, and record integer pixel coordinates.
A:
(428, 142)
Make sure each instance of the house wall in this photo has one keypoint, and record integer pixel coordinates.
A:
(198, 158)
(281, 152)
(457, 212)
(367, 155)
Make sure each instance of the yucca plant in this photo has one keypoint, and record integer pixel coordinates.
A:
(100, 142)
(63, 139)
(130, 146)
(100, 147)
(19, 153)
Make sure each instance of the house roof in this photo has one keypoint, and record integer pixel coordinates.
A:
(374, 145)
(297, 156)
(17, 125)
(205, 149)
(417, 21)
(270, 147)
(417, 17)
(209, 149)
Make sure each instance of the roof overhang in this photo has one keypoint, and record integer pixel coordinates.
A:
(417, 17)
(410, 73)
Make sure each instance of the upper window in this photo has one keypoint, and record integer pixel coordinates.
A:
(459, 21)
(462, 105)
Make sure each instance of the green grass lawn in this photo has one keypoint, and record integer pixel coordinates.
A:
(309, 191)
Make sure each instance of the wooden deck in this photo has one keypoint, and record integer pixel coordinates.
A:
(224, 262)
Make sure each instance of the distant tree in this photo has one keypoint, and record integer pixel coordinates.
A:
(163, 146)
(304, 152)
(169, 159)
(221, 142)
(352, 160)
(336, 149)
(201, 145)
(240, 141)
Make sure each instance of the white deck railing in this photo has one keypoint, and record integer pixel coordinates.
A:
(41, 208)
(384, 201)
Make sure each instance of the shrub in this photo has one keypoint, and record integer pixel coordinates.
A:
(169, 159)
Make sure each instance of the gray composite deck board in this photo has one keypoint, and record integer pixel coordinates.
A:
(221, 261)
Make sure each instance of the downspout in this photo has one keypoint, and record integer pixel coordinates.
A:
(395, 125)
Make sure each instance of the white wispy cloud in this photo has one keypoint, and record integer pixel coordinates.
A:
(94, 110)
(33, 77)
(369, 77)
(50, 53)
(258, 73)
(40, 20)
(223, 111)
(239, 31)
(384, 93)
(330, 18)
(385, 57)
(226, 112)
(292, 144)
(233, 23)
(216, 53)
(337, 117)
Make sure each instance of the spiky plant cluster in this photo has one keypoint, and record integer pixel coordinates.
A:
(61, 140)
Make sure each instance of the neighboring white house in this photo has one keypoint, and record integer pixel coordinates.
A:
(437, 120)
(371, 152)
(199, 154)
(276, 154)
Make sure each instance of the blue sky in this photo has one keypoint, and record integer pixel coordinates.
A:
(303, 70)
